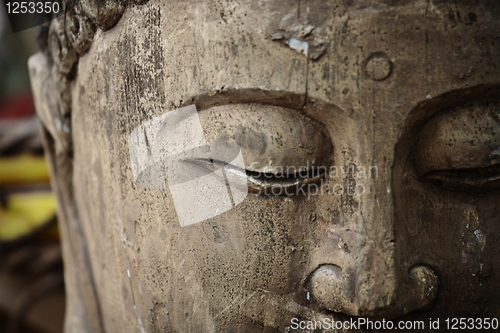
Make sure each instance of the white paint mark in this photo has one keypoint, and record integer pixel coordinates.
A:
(496, 152)
(57, 122)
(428, 96)
(308, 296)
(128, 273)
(464, 256)
(140, 326)
(479, 235)
(299, 46)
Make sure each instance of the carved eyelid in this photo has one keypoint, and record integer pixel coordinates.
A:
(471, 180)
(273, 140)
(455, 145)
(271, 137)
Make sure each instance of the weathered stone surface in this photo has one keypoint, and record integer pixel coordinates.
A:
(400, 106)
(79, 29)
(104, 13)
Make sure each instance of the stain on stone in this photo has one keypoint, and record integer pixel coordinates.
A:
(248, 138)
(131, 216)
(472, 19)
(215, 231)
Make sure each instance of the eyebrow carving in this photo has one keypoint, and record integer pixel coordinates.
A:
(224, 96)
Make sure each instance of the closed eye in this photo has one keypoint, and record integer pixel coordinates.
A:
(470, 180)
(458, 149)
(266, 184)
(281, 184)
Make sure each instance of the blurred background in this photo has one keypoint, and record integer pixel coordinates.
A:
(31, 273)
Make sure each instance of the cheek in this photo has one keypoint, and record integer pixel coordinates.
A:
(489, 237)
(454, 233)
(252, 246)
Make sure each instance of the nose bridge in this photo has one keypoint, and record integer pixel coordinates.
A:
(376, 275)
(384, 286)
(361, 281)
(366, 281)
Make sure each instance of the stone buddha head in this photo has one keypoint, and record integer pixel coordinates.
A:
(370, 138)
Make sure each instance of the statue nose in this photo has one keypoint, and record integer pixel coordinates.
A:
(372, 279)
(332, 290)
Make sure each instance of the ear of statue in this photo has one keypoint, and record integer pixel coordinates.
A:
(47, 103)
(83, 309)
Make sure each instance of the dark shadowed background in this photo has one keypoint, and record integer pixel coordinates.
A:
(31, 276)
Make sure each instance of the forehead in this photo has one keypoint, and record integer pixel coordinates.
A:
(369, 66)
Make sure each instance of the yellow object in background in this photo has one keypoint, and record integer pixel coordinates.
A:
(23, 169)
(25, 212)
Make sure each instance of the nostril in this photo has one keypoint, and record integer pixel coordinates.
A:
(425, 286)
(329, 270)
(327, 286)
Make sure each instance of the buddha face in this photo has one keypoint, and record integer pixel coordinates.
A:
(388, 118)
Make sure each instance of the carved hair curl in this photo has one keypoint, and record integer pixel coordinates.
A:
(66, 38)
